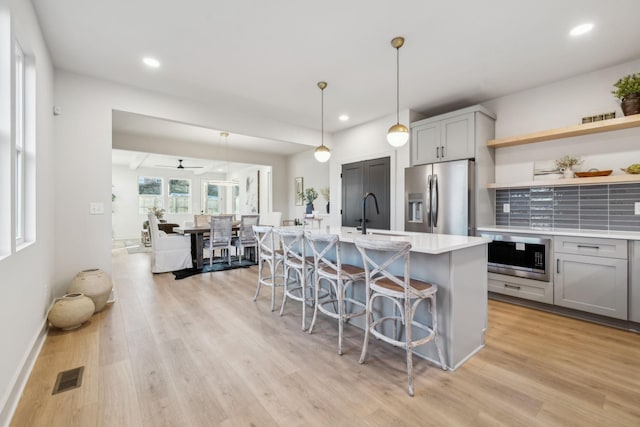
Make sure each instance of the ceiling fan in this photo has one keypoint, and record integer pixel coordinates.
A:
(180, 166)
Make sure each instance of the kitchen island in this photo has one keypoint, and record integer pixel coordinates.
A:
(458, 266)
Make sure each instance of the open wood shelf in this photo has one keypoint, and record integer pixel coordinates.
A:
(569, 131)
(612, 179)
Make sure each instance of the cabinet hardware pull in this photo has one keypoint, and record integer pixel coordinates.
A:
(506, 285)
(558, 266)
(437, 152)
(589, 246)
(442, 150)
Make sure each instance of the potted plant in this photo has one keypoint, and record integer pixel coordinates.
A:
(628, 91)
(326, 194)
(309, 195)
(566, 164)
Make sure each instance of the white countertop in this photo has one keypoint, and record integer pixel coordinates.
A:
(626, 235)
(420, 242)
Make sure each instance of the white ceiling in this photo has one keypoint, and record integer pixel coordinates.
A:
(136, 160)
(266, 57)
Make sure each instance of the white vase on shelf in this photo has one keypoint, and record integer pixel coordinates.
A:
(567, 173)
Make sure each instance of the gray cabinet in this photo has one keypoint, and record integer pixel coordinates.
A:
(634, 281)
(534, 290)
(451, 136)
(591, 275)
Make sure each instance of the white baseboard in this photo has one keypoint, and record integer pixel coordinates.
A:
(10, 402)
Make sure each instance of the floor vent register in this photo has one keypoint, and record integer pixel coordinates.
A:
(68, 380)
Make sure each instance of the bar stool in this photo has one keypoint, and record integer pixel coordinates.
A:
(404, 293)
(268, 253)
(340, 278)
(295, 261)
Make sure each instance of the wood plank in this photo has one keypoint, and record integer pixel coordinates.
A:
(568, 131)
(611, 179)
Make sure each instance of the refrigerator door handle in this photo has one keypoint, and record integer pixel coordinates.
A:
(434, 200)
(428, 202)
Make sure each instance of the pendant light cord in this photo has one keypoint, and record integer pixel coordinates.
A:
(398, 85)
(322, 117)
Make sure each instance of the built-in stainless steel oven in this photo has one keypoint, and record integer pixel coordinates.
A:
(522, 256)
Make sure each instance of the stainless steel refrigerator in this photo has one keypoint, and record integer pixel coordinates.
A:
(440, 198)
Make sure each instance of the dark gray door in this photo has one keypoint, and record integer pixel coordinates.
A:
(363, 177)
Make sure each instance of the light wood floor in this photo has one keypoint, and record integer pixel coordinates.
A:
(200, 352)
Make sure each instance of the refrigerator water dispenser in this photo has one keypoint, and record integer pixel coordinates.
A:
(415, 207)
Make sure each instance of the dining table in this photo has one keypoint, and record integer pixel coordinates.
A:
(197, 239)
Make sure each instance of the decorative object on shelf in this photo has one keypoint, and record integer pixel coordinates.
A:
(71, 311)
(599, 117)
(299, 195)
(326, 194)
(309, 195)
(322, 153)
(398, 134)
(634, 169)
(544, 170)
(566, 165)
(593, 172)
(95, 284)
(628, 91)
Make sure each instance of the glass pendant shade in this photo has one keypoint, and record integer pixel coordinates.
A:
(322, 154)
(398, 135)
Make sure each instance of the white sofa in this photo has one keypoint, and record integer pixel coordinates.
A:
(169, 252)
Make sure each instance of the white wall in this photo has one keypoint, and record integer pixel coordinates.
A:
(369, 141)
(562, 104)
(314, 174)
(83, 134)
(26, 276)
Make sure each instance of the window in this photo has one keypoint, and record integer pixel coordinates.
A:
(179, 196)
(211, 200)
(20, 95)
(149, 194)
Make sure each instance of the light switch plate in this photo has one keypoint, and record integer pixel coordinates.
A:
(506, 208)
(636, 208)
(96, 208)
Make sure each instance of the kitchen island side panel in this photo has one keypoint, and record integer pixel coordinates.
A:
(461, 277)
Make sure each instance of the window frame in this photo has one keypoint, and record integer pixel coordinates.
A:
(19, 146)
(188, 197)
(144, 210)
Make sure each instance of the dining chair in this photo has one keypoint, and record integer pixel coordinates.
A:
(298, 270)
(404, 293)
(340, 278)
(246, 238)
(269, 253)
(220, 236)
(169, 252)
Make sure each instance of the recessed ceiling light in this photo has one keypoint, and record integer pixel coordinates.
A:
(220, 170)
(581, 29)
(343, 118)
(151, 62)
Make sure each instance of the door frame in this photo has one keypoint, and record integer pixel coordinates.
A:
(396, 186)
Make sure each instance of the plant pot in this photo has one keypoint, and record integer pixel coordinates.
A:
(309, 210)
(328, 207)
(567, 173)
(631, 104)
(95, 284)
(71, 311)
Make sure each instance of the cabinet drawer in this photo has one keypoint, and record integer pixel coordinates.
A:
(521, 288)
(608, 248)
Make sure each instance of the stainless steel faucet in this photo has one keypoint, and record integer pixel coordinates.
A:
(364, 210)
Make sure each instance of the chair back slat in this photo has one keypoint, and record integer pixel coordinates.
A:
(266, 239)
(323, 245)
(292, 241)
(388, 253)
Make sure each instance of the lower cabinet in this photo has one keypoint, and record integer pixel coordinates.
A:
(533, 290)
(596, 284)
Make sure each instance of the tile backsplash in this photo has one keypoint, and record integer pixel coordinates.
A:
(586, 207)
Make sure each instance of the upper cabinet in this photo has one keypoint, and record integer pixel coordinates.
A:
(451, 136)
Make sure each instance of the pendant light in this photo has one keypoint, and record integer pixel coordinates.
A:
(398, 134)
(322, 153)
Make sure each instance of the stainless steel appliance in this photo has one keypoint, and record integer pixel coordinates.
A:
(522, 256)
(440, 198)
